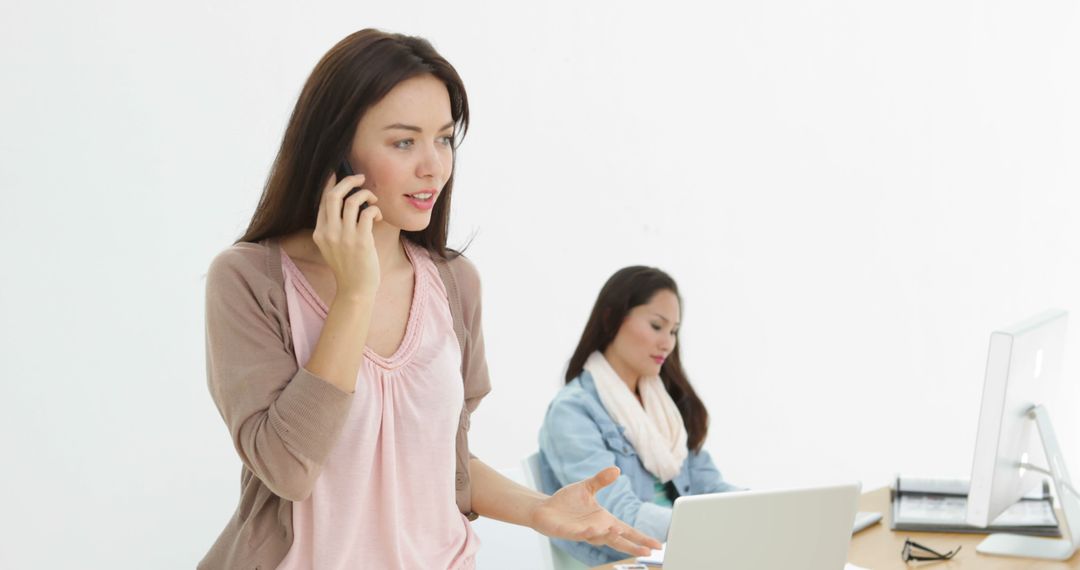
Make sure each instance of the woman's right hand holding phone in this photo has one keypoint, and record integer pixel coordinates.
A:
(343, 236)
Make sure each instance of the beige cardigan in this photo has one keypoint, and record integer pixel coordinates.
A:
(283, 419)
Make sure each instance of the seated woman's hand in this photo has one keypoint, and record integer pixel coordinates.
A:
(572, 513)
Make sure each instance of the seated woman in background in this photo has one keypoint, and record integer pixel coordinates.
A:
(627, 402)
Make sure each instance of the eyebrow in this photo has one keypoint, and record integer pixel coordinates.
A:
(665, 318)
(414, 128)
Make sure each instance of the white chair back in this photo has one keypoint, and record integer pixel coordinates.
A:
(555, 557)
(505, 545)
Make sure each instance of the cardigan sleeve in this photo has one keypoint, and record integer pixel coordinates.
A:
(474, 365)
(283, 419)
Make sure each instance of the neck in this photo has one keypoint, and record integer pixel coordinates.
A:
(388, 246)
(626, 374)
(387, 240)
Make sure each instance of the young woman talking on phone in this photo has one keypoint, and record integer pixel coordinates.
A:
(344, 346)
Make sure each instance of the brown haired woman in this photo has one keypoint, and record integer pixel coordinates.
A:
(628, 403)
(344, 348)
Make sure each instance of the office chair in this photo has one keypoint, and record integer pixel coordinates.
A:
(554, 557)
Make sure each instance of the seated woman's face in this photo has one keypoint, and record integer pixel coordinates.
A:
(404, 148)
(647, 335)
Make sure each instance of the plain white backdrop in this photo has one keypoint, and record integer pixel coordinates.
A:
(852, 195)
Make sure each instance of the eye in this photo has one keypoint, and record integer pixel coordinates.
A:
(674, 332)
(403, 144)
(655, 327)
(447, 140)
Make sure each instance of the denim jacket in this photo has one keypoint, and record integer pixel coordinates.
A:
(579, 438)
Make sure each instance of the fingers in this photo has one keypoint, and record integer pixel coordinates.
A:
(602, 479)
(349, 182)
(614, 538)
(623, 544)
(351, 210)
(334, 194)
(599, 536)
(622, 538)
(369, 216)
(634, 536)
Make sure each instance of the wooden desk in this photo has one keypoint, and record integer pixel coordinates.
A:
(878, 548)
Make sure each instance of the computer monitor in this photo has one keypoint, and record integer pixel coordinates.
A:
(1015, 438)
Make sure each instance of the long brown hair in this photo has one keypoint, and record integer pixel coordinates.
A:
(630, 287)
(354, 75)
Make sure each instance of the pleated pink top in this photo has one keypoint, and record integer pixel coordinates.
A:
(385, 498)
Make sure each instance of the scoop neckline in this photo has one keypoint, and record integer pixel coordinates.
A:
(409, 343)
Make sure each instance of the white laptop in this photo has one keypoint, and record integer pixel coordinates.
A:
(808, 529)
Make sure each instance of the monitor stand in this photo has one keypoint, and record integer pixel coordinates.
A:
(1003, 544)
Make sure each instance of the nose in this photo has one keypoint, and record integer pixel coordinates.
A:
(430, 164)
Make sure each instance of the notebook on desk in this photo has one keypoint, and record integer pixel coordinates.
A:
(805, 528)
(940, 505)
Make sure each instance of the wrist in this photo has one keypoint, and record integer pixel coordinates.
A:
(532, 509)
(354, 299)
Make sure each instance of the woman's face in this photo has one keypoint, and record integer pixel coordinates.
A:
(404, 148)
(647, 336)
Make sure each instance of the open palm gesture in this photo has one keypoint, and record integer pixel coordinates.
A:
(572, 513)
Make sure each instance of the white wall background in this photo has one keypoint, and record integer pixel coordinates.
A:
(852, 195)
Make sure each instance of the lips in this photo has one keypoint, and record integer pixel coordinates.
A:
(659, 359)
(423, 200)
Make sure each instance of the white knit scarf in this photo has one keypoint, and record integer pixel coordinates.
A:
(654, 426)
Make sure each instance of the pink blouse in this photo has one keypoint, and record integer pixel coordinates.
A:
(385, 497)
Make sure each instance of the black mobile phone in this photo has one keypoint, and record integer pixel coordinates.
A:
(345, 169)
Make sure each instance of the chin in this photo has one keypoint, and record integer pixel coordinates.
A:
(413, 223)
